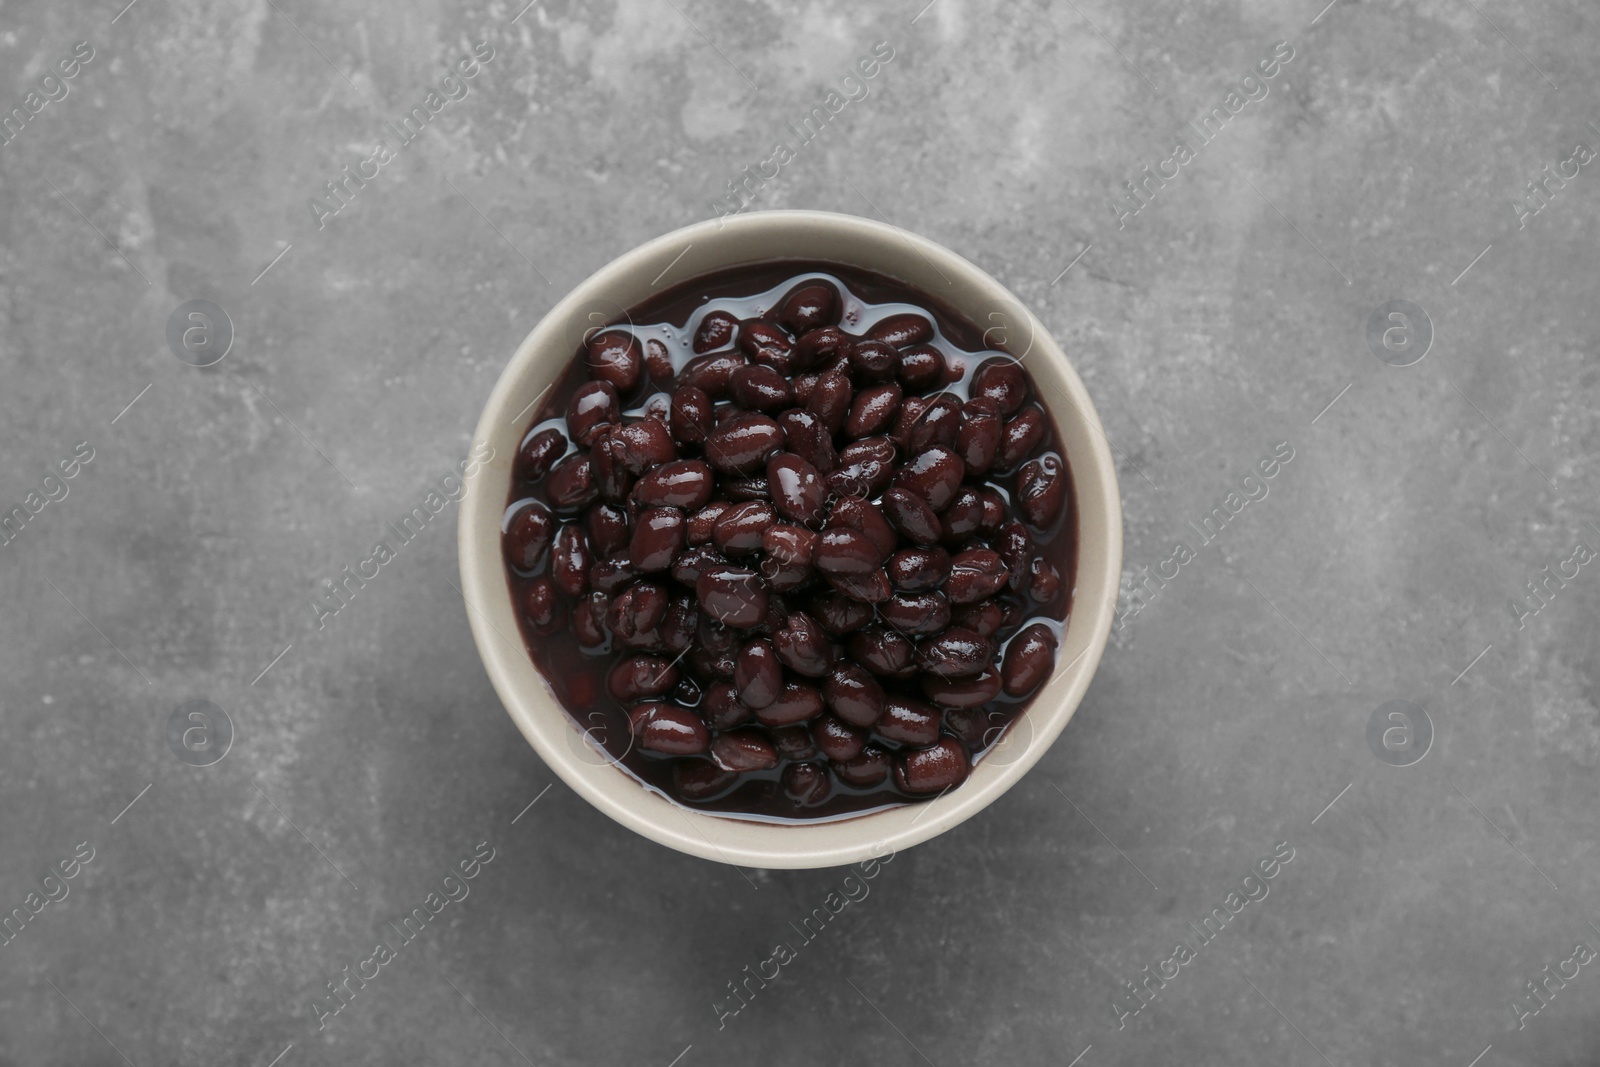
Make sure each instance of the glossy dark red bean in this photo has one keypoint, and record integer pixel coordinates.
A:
(922, 368)
(941, 766)
(542, 606)
(956, 653)
(668, 729)
(911, 515)
(1020, 438)
(743, 751)
(803, 646)
(882, 651)
(1044, 581)
(785, 579)
(611, 574)
(712, 374)
(740, 529)
(873, 361)
(743, 443)
(934, 474)
(983, 618)
(837, 739)
(615, 356)
(638, 676)
(644, 445)
(994, 513)
(757, 675)
(792, 742)
(796, 488)
(938, 424)
(844, 552)
(869, 768)
(658, 538)
(731, 595)
(589, 620)
(975, 574)
(593, 407)
(1001, 380)
(909, 722)
(901, 330)
(760, 388)
(637, 611)
(570, 561)
(830, 400)
(966, 692)
(723, 708)
(873, 588)
(693, 562)
(690, 416)
(679, 627)
(839, 614)
(682, 483)
(806, 437)
(716, 332)
(1014, 544)
(978, 440)
(790, 546)
(767, 344)
(608, 529)
(703, 522)
(570, 486)
(700, 780)
(808, 307)
(798, 702)
(1041, 491)
(865, 468)
(911, 410)
(611, 477)
(1029, 658)
(855, 514)
(873, 411)
(539, 453)
(658, 363)
(806, 784)
(528, 537)
(914, 614)
(819, 346)
(961, 519)
(976, 727)
(853, 694)
(914, 570)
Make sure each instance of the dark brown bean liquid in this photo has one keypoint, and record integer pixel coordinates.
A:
(792, 542)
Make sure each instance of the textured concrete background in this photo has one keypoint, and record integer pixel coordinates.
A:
(1216, 323)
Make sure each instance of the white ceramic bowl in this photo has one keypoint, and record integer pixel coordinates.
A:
(756, 238)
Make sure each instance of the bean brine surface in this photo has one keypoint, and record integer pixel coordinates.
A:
(792, 542)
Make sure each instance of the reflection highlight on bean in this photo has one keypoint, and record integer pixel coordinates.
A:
(799, 535)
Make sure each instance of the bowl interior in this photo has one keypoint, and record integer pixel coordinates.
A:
(604, 299)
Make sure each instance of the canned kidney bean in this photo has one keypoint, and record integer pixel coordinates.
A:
(804, 560)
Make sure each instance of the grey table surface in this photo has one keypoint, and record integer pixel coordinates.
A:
(1240, 705)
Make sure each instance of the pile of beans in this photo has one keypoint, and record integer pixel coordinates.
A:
(808, 557)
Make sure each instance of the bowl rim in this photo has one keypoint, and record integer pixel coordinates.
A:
(549, 728)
